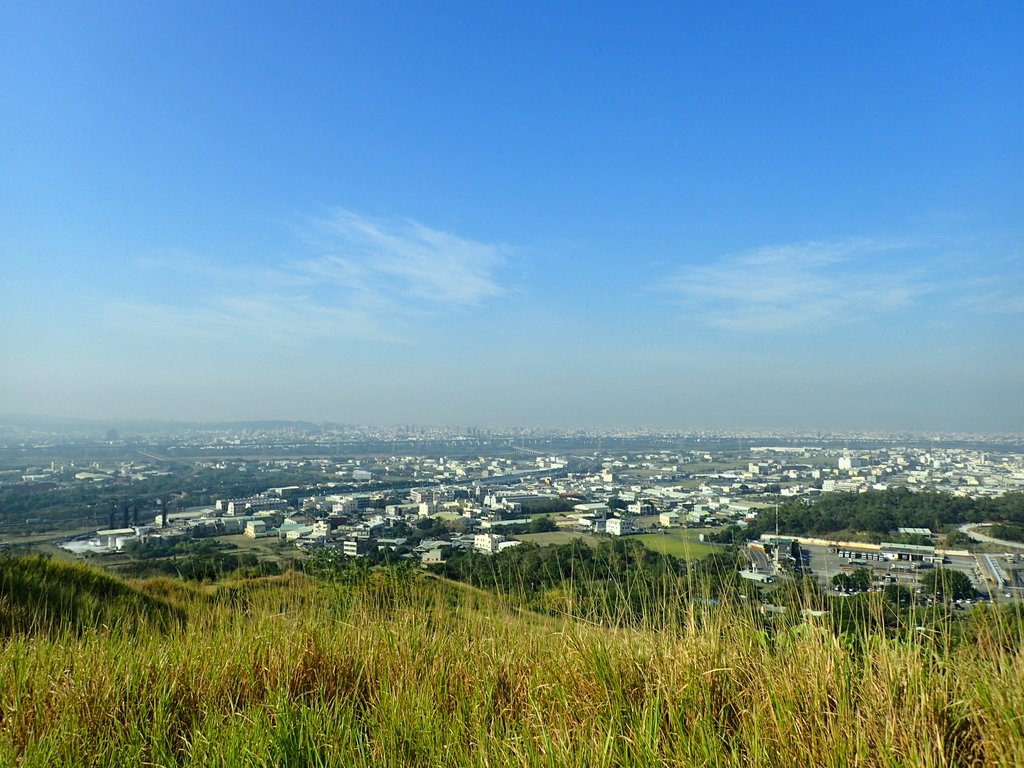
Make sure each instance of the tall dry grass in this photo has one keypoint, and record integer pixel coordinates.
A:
(294, 672)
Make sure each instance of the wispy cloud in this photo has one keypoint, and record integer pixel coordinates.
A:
(1001, 292)
(361, 277)
(264, 317)
(1000, 301)
(405, 258)
(804, 285)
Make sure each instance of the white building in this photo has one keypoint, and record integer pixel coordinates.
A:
(115, 538)
(849, 462)
(618, 526)
(255, 529)
(250, 505)
(355, 547)
(488, 543)
(597, 510)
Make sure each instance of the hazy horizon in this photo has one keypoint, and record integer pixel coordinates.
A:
(54, 424)
(744, 217)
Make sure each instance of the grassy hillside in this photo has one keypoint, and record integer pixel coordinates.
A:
(39, 595)
(414, 671)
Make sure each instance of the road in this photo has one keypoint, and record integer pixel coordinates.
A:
(760, 560)
(968, 528)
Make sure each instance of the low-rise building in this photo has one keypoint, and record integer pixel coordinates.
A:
(487, 543)
(256, 529)
(355, 547)
(668, 519)
(598, 510)
(619, 526)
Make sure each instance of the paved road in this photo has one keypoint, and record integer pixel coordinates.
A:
(761, 562)
(969, 529)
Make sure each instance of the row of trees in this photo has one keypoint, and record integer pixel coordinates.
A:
(617, 580)
(528, 567)
(881, 512)
(620, 582)
(940, 583)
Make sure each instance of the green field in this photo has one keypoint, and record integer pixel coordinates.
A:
(557, 537)
(447, 516)
(681, 543)
(270, 545)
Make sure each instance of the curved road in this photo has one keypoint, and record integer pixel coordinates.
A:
(968, 528)
(760, 560)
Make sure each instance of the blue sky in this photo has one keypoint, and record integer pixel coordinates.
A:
(763, 215)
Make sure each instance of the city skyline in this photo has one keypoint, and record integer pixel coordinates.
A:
(744, 217)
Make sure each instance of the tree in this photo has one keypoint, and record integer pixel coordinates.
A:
(542, 525)
(897, 595)
(1007, 531)
(948, 584)
(859, 580)
(958, 540)
(401, 528)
